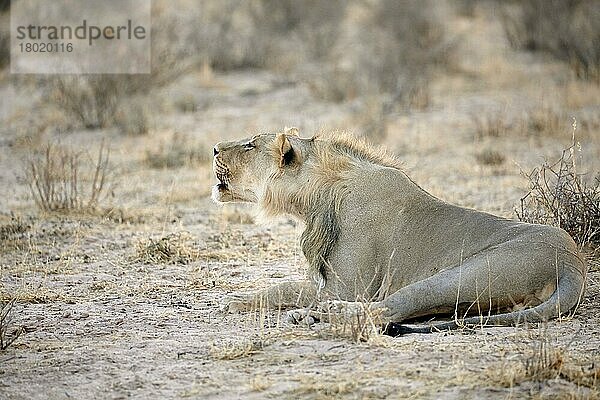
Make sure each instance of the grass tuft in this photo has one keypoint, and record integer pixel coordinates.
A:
(547, 361)
(174, 248)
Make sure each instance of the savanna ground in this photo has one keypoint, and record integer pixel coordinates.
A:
(122, 297)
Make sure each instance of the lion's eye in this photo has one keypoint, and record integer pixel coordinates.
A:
(249, 146)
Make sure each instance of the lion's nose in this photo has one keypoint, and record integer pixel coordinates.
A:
(215, 150)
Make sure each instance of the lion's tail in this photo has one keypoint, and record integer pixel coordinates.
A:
(565, 298)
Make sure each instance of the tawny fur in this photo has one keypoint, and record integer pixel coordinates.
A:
(372, 233)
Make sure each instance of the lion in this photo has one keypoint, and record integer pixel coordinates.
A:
(373, 236)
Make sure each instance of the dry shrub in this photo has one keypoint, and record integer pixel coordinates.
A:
(4, 33)
(91, 101)
(34, 293)
(174, 248)
(101, 101)
(567, 29)
(8, 333)
(233, 34)
(411, 41)
(63, 179)
(559, 195)
(104, 100)
(340, 49)
(312, 25)
(260, 383)
(205, 277)
(490, 157)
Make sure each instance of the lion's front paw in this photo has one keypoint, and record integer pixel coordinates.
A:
(352, 310)
(341, 307)
(301, 316)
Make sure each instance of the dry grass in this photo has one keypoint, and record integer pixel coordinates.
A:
(490, 125)
(260, 383)
(538, 121)
(371, 120)
(8, 333)
(237, 349)
(209, 278)
(236, 215)
(34, 293)
(325, 388)
(362, 327)
(547, 361)
(63, 179)
(545, 121)
(560, 195)
(13, 232)
(568, 30)
(229, 34)
(174, 248)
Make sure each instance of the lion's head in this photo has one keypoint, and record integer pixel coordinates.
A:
(245, 167)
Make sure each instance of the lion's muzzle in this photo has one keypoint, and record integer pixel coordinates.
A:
(221, 192)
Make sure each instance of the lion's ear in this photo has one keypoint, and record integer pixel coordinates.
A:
(293, 131)
(285, 150)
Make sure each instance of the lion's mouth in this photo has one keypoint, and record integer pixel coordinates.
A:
(223, 181)
(221, 192)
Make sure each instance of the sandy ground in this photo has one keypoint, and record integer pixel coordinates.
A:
(102, 319)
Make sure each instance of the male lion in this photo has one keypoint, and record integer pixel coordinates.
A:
(373, 234)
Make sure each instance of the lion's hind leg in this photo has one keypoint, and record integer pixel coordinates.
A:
(480, 286)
